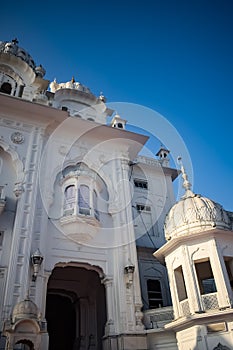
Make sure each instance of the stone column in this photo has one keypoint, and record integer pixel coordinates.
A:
(224, 292)
(173, 290)
(194, 297)
(110, 324)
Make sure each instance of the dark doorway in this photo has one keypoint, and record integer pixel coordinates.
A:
(60, 316)
(75, 308)
(24, 345)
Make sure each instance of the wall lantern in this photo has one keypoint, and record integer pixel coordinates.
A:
(36, 260)
(129, 271)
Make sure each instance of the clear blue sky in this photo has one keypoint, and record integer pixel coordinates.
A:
(172, 56)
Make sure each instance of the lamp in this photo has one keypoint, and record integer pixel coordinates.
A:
(36, 260)
(129, 271)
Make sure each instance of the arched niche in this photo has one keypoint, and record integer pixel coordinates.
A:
(18, 164)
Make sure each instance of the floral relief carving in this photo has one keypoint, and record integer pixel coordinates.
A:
(17, 137)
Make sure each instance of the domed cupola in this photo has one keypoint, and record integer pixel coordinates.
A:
(194, 213)
(11, 48)
(79, 101)
(71, 95)
(19, 75)
(25, 309)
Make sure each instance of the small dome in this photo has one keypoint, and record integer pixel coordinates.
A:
(25, 309)
(194, 213)
(12, 48)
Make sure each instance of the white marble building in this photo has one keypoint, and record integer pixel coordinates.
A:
(81, 214)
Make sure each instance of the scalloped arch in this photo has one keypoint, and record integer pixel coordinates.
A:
(18, 164)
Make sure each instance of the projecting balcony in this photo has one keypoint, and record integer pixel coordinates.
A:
(80, 227)
(2, 199)
(157, 318)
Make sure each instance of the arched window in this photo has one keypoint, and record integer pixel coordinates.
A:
(95, 208)
(6, 88)
(84, 200)
(70, 197)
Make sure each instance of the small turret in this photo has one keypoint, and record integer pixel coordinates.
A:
(118, 122)
(163, 155)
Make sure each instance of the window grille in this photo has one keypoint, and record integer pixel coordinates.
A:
(70, 197)
(96, 212)
(84, 200)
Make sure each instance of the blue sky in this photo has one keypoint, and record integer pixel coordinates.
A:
(172, 56)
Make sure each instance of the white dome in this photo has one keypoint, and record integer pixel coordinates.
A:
(25, 309)
(194, 213)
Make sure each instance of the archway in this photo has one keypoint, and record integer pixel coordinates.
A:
(24, 344)
(75, 309)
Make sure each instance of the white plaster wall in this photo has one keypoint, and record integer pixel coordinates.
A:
(160, 340)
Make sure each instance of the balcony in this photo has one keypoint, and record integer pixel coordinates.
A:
(80, 228)
(157, 318)
(2, 199)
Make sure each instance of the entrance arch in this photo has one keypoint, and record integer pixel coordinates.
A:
(75, 308)
(24, 344)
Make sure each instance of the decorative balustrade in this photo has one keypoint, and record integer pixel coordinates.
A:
(184, 305)
(210, 301)
(157, 318)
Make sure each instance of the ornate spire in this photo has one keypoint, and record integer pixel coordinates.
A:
(186, 184)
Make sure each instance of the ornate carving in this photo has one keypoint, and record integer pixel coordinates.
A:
(138, 315)
(18, 190)
(17, 137)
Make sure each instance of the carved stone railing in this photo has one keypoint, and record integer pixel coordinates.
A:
(184, 305)
(210, 301)
(157, 318)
